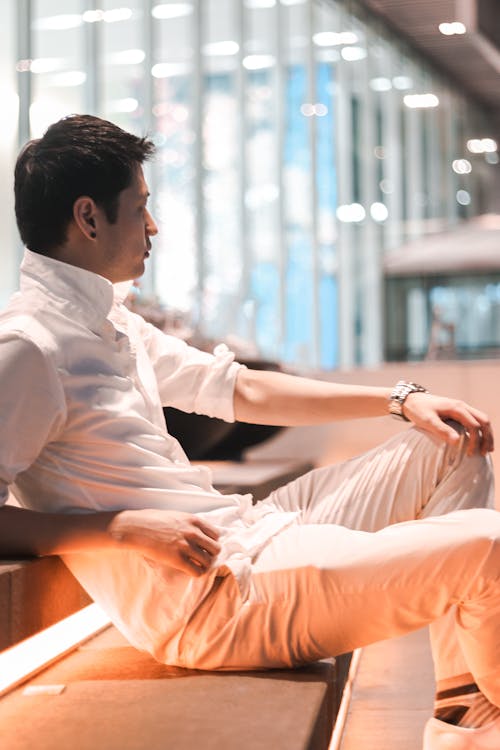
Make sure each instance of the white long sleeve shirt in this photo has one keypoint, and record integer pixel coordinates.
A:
(82, 385)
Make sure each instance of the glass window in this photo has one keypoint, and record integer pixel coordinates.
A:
(262, 81)
(294, 150)
(221, 165)
(59, 71)
(297, 184)
(121, 78)
(175, 111)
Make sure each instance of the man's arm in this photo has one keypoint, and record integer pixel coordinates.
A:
(179, 540)
(263, 397)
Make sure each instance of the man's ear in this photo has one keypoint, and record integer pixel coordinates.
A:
(84, 215)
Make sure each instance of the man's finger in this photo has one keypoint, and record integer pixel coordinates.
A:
(207, 528)
(480, 436)
(441, 429)
(487, 442)
(488, 439)
(203, 542)
(192, 566)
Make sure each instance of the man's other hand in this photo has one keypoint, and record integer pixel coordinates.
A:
(180, 540)
(430, 412)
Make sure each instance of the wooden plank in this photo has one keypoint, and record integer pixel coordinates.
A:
(392, 696)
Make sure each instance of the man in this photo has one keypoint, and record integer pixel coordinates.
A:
(326, 564)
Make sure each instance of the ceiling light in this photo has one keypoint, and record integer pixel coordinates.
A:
(129, 104)
(320, 110)
(334, 38)
(461, 166)
(216, 49)
(482, 145)
(489, 145)
(46, 64)
(463, 197)
(62, 22)
(348, 37)
(378, 211)
(351, 213)
(169, 70)
(449, 29)
(174, 10)
(386, 186)
(93, 16)
(475, 146)
(402, 83)
(380, 84)
(69, 78)
(351, 54)
(126, 57)
(420, 101)
(117, 14)
(326, 38)
(258, 62)
(257, 4)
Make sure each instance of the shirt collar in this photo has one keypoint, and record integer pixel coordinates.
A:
(90, 292)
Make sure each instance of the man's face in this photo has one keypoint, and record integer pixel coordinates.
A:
(125, 245)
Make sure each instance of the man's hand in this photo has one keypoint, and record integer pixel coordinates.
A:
(180, 540)
(429, 412)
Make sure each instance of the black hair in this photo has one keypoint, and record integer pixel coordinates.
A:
(78, 155)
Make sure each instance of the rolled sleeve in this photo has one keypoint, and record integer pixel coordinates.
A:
(216, 397)
(192, 380)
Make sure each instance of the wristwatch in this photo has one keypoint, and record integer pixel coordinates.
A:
(399, 394)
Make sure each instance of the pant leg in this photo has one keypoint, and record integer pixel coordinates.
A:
(411, 476)
(321, 590)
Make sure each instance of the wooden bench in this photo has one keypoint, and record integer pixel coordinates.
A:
(34, 594)
(108, 695)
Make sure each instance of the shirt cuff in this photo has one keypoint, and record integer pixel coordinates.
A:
(219, 385)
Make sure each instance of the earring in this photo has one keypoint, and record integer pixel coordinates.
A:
(93, 234)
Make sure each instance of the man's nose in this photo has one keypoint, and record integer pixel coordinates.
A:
(151, 227)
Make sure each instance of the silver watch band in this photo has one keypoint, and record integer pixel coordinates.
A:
(399, 394)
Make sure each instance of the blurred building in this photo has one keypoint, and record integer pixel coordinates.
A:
(303, 145)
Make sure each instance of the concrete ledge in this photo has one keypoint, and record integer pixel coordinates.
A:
(35, 593)
(259, 477)
(118, 698)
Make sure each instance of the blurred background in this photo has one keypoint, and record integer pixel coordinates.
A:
(327, 183)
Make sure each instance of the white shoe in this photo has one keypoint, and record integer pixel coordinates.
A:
(439, 735)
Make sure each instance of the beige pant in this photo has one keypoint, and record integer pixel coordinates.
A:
(357, 567)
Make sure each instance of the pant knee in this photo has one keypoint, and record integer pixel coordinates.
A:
(483, 525)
